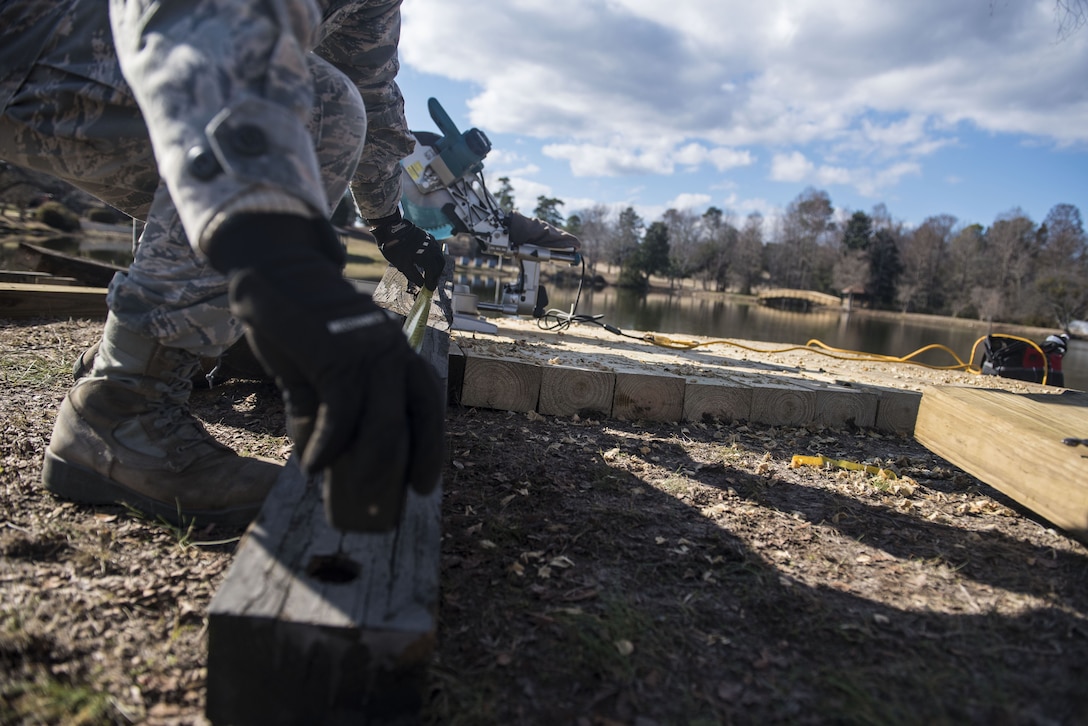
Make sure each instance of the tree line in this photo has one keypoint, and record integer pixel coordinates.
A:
(1015, 270)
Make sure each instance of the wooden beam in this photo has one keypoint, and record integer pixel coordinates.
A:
(568, 390)
(316, 625)
(498, 382)
(32, 277)
(839, 405)
(21, 300)
(1013, 442)
(648, 396)
(897, 410)
(312, 625)
(782, 404)
(717, 399)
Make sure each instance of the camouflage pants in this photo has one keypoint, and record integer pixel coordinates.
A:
(203, 78)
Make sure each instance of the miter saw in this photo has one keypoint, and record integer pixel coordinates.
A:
(444, 193)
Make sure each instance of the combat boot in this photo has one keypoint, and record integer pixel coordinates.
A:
(237, 362)
(124, 434)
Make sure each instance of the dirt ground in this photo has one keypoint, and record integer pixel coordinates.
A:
(593, 572)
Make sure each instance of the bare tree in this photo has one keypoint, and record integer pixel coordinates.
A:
(1011, 247)
(806, 229)
(747, 265)
(1072, 16)
(684, 236)
(595, 232)
(965, 251)
(1061, 277)
(923, 253)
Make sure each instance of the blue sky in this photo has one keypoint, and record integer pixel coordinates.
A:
(970, 108)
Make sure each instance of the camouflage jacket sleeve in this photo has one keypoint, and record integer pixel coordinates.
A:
(360, 38)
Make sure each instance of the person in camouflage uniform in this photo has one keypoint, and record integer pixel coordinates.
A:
(232, 128)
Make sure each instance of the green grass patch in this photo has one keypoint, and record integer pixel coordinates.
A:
(45, 699)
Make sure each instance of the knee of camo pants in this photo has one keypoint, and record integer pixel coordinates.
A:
(228, 93)
(170, 292)
(338, 127)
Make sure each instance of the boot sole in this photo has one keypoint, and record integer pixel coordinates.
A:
(80, 484)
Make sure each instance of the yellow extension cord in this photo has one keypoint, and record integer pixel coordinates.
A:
(815, 346)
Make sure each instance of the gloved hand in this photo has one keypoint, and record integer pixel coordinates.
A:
(361, 405)
(410, 249)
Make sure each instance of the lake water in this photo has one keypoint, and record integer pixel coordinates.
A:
(718, 318)
(711, 316)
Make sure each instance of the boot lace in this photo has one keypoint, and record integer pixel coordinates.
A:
(171, 408)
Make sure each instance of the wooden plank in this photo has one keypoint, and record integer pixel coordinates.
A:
(20, 300)
(316, 625)
(1013, 442)
(32, 277)
(897, 410)
(506, 384)
(839, 405)
(648, 396)
(782, 404)
(568, 390)
(312, 625)
(456, 380)
(716, 399)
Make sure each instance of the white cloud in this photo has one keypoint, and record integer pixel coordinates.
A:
(858, 91)
(796, 168)
(526, 192)
(592, 160)
(792, 167)
(616, 159)
(725, 159)
(828, 175)
(694, 202)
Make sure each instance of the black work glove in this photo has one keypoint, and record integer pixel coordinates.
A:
(410, 249)
(361, 405)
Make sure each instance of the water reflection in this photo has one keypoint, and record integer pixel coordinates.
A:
(711, 316)
(114, 251)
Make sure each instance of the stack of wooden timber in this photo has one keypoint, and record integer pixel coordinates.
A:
(1006, 432)
(588, 371)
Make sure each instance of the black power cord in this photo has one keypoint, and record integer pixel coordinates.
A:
(558, 320)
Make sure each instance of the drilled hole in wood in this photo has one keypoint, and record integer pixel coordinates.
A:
(332, 568)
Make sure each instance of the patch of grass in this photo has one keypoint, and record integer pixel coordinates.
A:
(609, 643)
(32, 369)
(459, 701)
(46, 699)
(912, 690)
(181, 533)
(675, 485)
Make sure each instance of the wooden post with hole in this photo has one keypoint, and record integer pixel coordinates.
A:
(315, 625)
